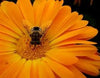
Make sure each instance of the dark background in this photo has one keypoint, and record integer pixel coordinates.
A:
(90, 12)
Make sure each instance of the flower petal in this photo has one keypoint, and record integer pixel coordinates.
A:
(38, 7)
(7, 60)
(63, 58)
(50, 10)
(34, 69)
(13, 69)
(76, 72)
(7, 38)
(96, 63)
(8, 7)
(45, 71)
(71, 42)
(94, 57)
(8, 31)
(7, 43)
(27, 10)
(59, 69)
(87, 68)
(26, 70)
(5, 48)
(6, 22)
(89, 33)
(69, 20)
(75, 50)
(58, 20)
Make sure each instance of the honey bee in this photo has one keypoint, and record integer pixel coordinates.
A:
(35, 35)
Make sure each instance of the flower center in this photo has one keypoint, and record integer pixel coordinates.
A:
(26, 50)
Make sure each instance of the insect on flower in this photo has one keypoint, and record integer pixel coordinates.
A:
(56, 32)
(35, 35)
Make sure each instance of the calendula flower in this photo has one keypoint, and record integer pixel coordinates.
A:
(45, 40)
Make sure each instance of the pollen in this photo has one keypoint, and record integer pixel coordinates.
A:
(30, 52)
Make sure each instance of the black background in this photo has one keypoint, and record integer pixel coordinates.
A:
(91, 13)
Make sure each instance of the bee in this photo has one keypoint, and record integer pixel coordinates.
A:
(35, 35)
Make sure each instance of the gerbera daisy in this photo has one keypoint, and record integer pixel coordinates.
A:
(45, 40)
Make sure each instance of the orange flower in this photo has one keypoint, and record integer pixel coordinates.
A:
(64, 50)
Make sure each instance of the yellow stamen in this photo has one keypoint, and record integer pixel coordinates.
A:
(29, 51)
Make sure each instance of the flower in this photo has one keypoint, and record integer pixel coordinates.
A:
(64, 50)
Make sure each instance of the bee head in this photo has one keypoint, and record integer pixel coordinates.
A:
(36, 28)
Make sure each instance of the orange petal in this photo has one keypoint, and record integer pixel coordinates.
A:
(94, 57)
(5, 48)
(8, 7)
(34, 69)
(59, 69)
(27, 10)
(38, 7)
(7, 22)
(69, 20)
(7, 31)
(69, 42)
(63, 58)
(25, 72)
(45, 71)
(76, 50)
(50, 10)
(89, 33)
(13, 69)
(96, 63)
(58, 20)
(78, 24)
(18, 67)
(7, 38)
(87, 68)
(7, 60)
(7, 43)
(76, 72)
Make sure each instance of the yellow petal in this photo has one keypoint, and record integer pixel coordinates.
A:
(87, 68)
(59, 69)
(6, 49)
(7, 43)
(25, 72)
(63, 58)
(27, 10)
(8, 7)
(76, 72)
(45, 71)
(89, 33)
(7, 38)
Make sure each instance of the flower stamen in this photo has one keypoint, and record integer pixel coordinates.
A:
(29, 51)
